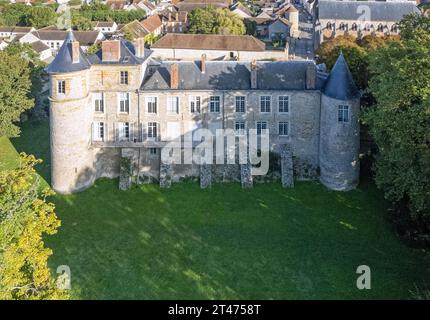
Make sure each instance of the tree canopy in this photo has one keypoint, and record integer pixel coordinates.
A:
(211, 20)
(15, 90)
(400, 119)
(25, 217)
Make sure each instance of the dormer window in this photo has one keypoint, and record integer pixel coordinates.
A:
(61, 86)
(124, 77)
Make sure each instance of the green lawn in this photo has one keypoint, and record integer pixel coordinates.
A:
(224, 243)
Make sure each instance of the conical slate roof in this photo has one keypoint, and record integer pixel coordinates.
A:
(63, 60)
(340, 84)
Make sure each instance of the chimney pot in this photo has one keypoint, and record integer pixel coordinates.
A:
(111, 50)
(174, 76)
(203, 63)
(254, 74)
(75, 52)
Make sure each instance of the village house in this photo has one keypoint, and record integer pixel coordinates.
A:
(179, 46)
(174, 21)
(112, 112)
(106, 27)
(334, 18)
(55, 38)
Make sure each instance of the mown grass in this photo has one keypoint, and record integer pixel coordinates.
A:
(225, 243)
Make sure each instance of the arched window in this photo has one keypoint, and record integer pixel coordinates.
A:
(354, 27)
(366, 27)
(394, 28)
(380, 28)
(329, 26)
(342, 26)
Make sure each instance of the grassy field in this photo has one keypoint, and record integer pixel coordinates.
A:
(224, 243)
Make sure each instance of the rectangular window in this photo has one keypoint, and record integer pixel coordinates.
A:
(61, 86)
(195, 104)
(152, 151)
(52, 45)
(239, 127)
(343, 113)
(240, 104)
(124, 131)
(98, 102)
(261, 125)
(152, 130)
(124, 77)
(265, 104)
(214, 104)
(173, 105)
(284, 104)
(98, 131)
(151, 104)
(283, 128)
(124, 102)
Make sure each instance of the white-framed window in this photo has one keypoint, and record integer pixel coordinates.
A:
(284, 104)
(265, 102)
(214, 104)
(239, 127)
(152, 130)
(343, 113)
(239, 102)
(151, 104)
(58, 45)
(173, 105)
(124, 102)
(283, 128)
(123, 131)
(195, 103)
(98, 101)
(261, 125)
(52, 45)
(123, 77)
(98, 131)
(61, 86)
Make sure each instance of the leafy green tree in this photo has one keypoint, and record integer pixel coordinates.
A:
(15, 15)
(25, 217)
(211, 20)
(15, 89)
(81, 23)
(251, 27)
(39, 17)
(400, 120)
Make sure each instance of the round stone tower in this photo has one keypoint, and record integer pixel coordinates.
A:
(72, 165)
(340, 130)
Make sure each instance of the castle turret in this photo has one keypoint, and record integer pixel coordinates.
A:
(339, 129)
(70, 121)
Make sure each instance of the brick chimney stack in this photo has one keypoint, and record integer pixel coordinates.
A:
(311, 75)
(111, 50)
(254, 74)
(75, 52)
(174, 76)
(140, 47)
(203, 63)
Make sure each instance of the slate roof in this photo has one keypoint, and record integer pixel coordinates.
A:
(85, 38)
(379, 10)
(231, 75)
(127, 55)
(105, 24)
(63, 60)
(209, 42)
(340, 84)
(39, 46)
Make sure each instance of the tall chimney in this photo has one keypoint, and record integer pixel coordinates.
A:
(174, 76)
(111, 50)
(203, 63)
(75, 52)
(177, 17)
(140, 47)
(254, 74)
(311, 75)
(170, 16)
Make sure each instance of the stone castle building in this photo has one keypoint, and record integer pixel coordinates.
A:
(120, 103)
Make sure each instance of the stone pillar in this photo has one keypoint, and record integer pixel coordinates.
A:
(205, 176)
(245, 175)
(287, 173)
(166, 172)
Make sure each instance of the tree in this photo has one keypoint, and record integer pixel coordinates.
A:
(81, 23)
(15, 88)
(41, 17)
(15, 15)
(400, 120)
(25, 217)
(211, 20)
(251, 27)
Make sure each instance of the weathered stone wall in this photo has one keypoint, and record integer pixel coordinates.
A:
(339, 147)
